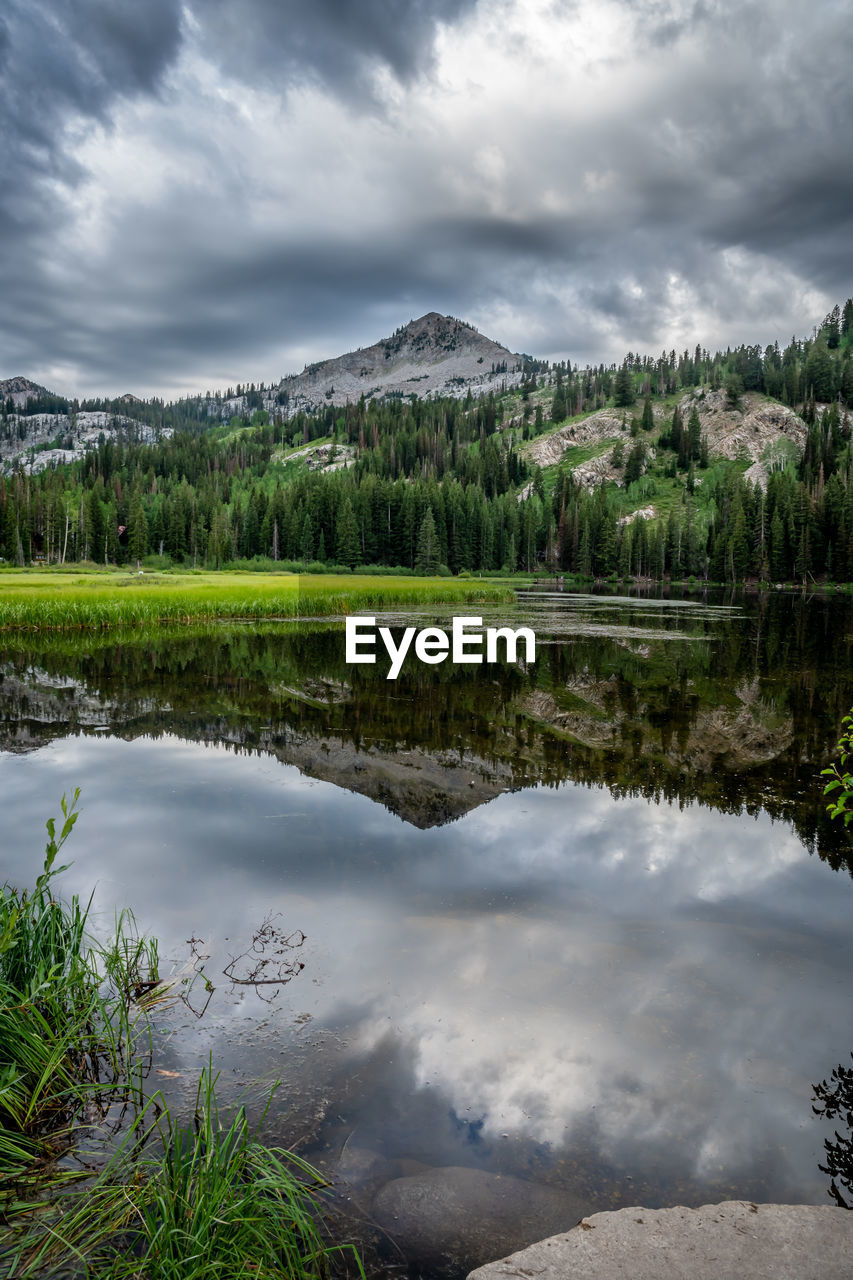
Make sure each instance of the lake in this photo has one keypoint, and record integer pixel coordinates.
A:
(582, 923)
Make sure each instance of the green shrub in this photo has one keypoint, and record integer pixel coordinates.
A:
(841, 780)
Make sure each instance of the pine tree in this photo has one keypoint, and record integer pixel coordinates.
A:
(676, 431)
(625, 550)
(605, 547)
(347, 548)
(585, 554)
(847, 317)
(307, 546)
(137, 529)
(251, 528)
(694, 435)
(739, 556)
(623, 388)
(634, 465)
(427, 554)
(820, 373)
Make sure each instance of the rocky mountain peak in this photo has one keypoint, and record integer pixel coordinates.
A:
(21, 390)
(433, 355)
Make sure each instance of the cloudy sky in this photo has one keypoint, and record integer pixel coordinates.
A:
(197, 194)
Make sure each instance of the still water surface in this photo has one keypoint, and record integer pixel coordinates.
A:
(585, 923)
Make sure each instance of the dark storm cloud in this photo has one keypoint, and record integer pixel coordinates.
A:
(766, 123)
(697, 174)
(71, 59)
(187, 313)
(336, 42)
(63, 66)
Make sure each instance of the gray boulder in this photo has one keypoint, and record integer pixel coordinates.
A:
(456, 1218)
(362, 1169)
(717, 1242)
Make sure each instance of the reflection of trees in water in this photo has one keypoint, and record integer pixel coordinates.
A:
(834, 1098)
(740, 716)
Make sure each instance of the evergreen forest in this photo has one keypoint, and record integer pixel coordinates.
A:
(449, 485)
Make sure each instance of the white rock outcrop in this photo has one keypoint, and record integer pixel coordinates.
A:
(736, 1240)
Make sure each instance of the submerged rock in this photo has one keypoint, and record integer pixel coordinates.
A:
(451, 1219)
(362, 1169)
(736, 1238)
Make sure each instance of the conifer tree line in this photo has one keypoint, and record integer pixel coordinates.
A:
(432, 484)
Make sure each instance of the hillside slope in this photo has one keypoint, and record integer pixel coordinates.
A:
(37, 441)
(758, 430)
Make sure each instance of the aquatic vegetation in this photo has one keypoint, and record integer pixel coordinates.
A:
(203, 1200)
(47, 600)
(65, 1031)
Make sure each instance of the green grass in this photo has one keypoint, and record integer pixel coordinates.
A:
(45, 599)
(175, 1202)
(576, 454)
(286, 453)
(65, 1031)
(192, 1202)
(329, 594)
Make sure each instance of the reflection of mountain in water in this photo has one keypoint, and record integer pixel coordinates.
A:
(734, 710)
(735, 737)
(426, 788)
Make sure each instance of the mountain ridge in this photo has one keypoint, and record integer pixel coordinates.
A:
(432, 355)
(21, 389)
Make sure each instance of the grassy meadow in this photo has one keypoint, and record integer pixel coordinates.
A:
(59, 600)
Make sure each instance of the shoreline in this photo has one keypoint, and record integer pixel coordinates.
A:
(712, 1242)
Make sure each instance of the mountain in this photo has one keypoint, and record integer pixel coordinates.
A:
(21, 390)
(433, 355)
(38, 441)
(666, 466)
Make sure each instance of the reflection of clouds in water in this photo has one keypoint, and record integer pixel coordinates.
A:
(541, 1026)
(585, 836)
(556, 958)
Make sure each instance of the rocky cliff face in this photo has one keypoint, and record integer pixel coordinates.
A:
(748, 430)
(20, 390)
(607, 424)
(757, 430)
(39, 440)
(435, 354)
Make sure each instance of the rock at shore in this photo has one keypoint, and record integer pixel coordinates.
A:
(451, 1219)
(734, 1239)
